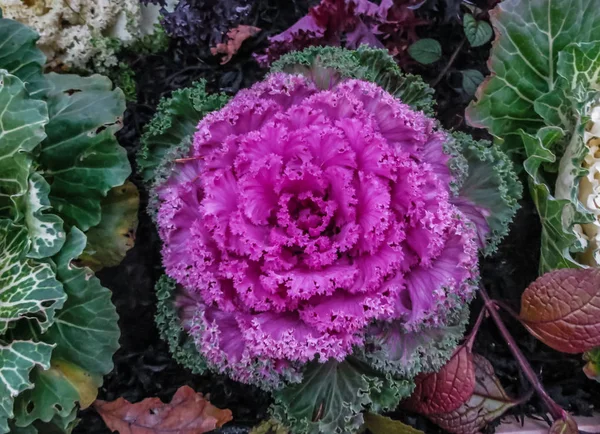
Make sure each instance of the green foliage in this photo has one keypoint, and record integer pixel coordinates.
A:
(124, 78)
(153, 43)
(545, 67)
(173, 127)
(169, 326)
(491, 186)
(523, 62)
(59, 155)
(328, 65)
(477, 32)
(332, 396)
(405, 354)
(426, 51)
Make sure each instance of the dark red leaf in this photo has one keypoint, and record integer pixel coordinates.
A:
(446, 390)
(188, 413)
(488, 402)
(562, 309)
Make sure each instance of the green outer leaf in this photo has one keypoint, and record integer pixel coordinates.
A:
(471, 78)
(85, 334)
(86, 330)
(328, 65)
(173, 125)
(81, 157)
(426, 51)
(557, 215)
(477, 32)
(109, 241)
(55, 393)
(19, 54)
(45, 230)
(491, 186)
(16, 361)
(169, 326)
(22, 122)
(530, 36)
(50, 392)
(332, 396)
(406, 354)
(27, 289)
(578, 68)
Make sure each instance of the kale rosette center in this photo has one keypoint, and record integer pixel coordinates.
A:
(300, 216)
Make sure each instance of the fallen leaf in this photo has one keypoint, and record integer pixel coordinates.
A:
(235, 38)
(384, 425)
(564, 426)
(562, 309)
(447, 389)
(187, 413)
(488, 401)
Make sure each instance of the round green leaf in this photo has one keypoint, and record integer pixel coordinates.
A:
(471, 79)
(477, 32)
(425, 51)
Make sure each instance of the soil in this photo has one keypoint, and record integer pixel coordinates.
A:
(143, 365)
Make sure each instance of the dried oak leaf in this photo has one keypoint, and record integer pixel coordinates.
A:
(235, 38)
(562, 309)
(446, 390)
(488, 401)
(187, 413)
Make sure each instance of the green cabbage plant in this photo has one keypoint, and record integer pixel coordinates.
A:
(542, 101)
(63, 206)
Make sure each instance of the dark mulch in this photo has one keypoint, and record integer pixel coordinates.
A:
(143, 366)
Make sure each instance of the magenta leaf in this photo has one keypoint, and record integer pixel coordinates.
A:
(488, 402)
(446, 390)
(562, 309)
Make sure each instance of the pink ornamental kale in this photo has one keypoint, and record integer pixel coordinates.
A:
(301, 216)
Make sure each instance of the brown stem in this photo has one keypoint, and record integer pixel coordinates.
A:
(555, 410)
(449, 64)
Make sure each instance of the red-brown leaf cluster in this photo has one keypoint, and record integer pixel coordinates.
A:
(187, 413)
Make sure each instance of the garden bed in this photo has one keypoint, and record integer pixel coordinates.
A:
(143, 366)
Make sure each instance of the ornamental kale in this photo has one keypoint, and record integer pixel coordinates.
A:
(202, 21)
(320, 235)
(350, 23)
(60, 160)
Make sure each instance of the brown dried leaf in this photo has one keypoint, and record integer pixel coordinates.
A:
(488, 401)
(235, 38)
(446, 390)
(187, 413)
(562, 309)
